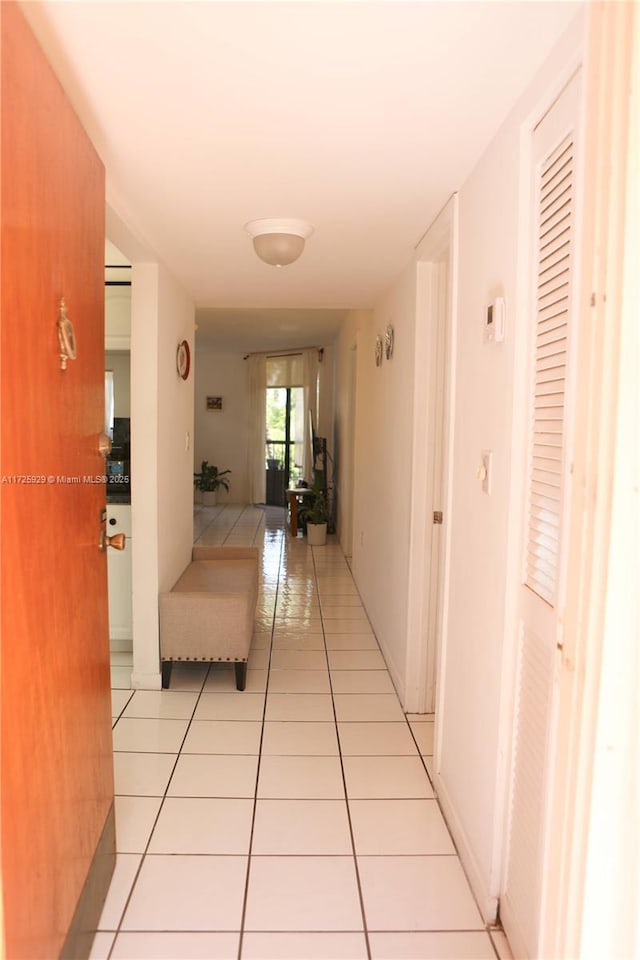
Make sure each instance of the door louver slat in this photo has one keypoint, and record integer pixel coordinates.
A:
(559, 242)
(555, 250)
(544, 529)
(549, 377)
(555, 205)
(548, 465)
(554, 335)
(551, 230)
(555, 228)
(549, 317)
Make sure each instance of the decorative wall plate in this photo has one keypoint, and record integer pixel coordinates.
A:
(378, 351)
(388, 342)
(183, 359)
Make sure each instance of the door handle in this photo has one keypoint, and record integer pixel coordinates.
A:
(104, 445)
(117, 541)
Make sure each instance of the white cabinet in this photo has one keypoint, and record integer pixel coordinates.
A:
(119, 572)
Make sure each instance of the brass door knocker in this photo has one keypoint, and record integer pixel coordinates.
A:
(66, 336)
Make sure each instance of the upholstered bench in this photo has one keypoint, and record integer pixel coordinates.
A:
(209, 613)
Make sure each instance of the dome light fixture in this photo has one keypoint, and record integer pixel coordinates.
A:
(278, 242)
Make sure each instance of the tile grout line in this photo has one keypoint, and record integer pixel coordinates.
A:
(344, 780)
(420, 754)
(118, 930)
(451, 837)
(298, 572)
(157, 817)
(245, 898)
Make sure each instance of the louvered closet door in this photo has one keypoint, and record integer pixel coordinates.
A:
(552, 332)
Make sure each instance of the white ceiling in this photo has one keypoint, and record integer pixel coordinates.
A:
(360, 117)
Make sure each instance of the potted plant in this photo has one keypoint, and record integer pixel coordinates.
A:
(316, 516)
(273, 462)
(209, 481)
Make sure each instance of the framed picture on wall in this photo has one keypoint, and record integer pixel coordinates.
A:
(214, 403)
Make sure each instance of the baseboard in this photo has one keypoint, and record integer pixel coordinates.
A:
(146, 681)
(84, 925)
(120, 644)
(397, 678)
(487, 904)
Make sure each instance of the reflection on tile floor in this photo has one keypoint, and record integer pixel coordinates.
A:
(295, 819)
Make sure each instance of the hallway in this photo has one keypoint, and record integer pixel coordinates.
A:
(295, 819)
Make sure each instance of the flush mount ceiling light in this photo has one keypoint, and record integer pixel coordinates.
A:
(278, 242)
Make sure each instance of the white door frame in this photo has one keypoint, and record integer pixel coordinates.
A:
(593, 889)
(347, 487)
(435, 317)
(144, 507)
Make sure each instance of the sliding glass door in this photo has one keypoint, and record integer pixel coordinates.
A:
(284, 449)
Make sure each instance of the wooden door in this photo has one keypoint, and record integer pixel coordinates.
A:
(57, 780)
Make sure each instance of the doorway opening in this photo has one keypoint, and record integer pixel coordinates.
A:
(284, 449)
(117, 356)
(431, 506)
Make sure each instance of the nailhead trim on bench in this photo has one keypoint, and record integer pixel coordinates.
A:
(201, 659)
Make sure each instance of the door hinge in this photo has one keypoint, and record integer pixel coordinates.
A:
(437, 516)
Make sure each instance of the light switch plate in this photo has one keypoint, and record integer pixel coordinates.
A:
(494, 322)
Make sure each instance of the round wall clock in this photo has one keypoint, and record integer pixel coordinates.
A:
(183, 359)
(378, 351)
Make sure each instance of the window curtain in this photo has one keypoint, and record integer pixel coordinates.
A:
(290, 370)
(257, 427)
(285, 371)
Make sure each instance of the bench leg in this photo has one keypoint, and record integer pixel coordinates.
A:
(166, 673)
(241, 675)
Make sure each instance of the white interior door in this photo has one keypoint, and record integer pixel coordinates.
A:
(431, 437)
(552, 319)
(435, 509)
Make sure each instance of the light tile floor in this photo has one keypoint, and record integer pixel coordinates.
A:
(295, 819)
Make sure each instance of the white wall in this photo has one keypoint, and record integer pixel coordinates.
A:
(325, 424)
(476, 684)
(162, 455)
(474, 646)
(175, 433)
(346, 358)
(222, 436)
(120, 363)
(117, 318)
(474, 722)
(383, 456)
